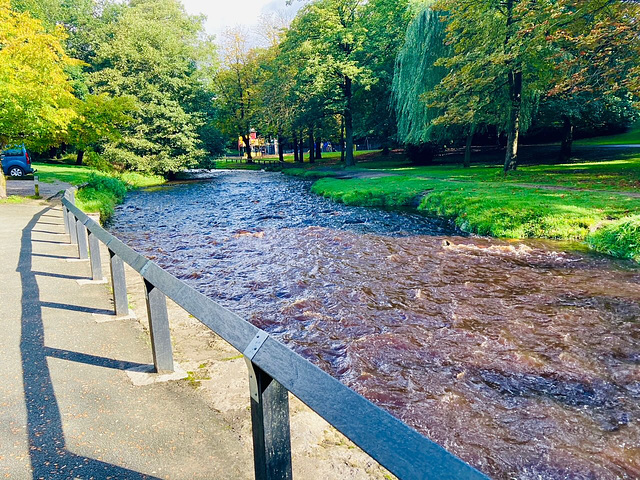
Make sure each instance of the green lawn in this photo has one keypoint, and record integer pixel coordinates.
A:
(481, 200)
(617, 171)
(620, 175)
(630, 138)
(73, 174)
(101, 191)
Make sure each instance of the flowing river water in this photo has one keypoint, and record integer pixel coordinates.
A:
(522, 358)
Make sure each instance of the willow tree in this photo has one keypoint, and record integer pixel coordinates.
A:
(416, 75)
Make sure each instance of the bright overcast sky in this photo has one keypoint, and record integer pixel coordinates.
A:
(224, 14)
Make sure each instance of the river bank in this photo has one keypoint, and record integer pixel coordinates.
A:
(591, 200)
(101, 191)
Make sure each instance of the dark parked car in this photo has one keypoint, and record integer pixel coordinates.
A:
(16, 161)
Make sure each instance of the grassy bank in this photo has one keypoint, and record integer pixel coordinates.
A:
(100, 192)
(540, 201)
(631, 137)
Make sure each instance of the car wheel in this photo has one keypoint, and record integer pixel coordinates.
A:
(16, 172)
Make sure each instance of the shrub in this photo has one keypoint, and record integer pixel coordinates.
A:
(422, 154)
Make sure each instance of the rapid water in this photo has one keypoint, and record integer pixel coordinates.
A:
(522, 358)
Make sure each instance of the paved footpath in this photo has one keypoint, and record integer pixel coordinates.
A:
(68, 410)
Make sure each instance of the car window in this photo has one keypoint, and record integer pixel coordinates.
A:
(12, 151)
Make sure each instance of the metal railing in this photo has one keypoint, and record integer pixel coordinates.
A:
(273, 368)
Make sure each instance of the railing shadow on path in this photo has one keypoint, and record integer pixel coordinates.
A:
(49, 456)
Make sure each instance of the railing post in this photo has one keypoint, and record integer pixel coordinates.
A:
(65, 218)
(159, 328)
(65, 214)
(73, 231)
(269, 420)
(119, 285)
(83, 252)
(96, 263)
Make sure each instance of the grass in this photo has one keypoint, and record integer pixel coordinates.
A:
(486, 208)
(394, 191)
(12, 199)
(100, 191)
(619, 238)
(75, 175)
(631, 137)
(572, 201)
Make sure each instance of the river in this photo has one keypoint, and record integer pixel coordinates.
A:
(522, 358)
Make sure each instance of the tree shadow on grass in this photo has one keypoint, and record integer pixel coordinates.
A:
(49, 456)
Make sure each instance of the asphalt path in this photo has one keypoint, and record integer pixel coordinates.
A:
(68, 409)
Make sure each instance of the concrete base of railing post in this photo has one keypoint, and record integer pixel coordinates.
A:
(270, 426)
(159, 328)
(119, 285)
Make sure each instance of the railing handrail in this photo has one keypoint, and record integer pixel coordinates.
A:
(396, 446)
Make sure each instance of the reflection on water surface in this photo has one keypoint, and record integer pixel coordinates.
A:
(520, 358)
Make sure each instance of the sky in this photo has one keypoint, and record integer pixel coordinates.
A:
(224, 14)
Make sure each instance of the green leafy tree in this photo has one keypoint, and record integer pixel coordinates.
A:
(100, 119)
(597, 49)
(499, 66)
(385, 23)
(36, 100)
(150, 50)
(277, 108)
(334, 34)
(237, 86)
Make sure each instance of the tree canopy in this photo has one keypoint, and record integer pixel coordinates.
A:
(139, 83)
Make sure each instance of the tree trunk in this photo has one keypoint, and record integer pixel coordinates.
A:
(280, 148)
(296, 157)
(3, 183)
(567, 139)
(348, 123)
(247, 148)
(467, 149)
(312, 147)
(513, 128)
(318, 148)
(301, 147)
(79, 157)
(515, 100)
(342, 139)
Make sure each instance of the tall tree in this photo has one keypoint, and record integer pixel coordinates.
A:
(237, 86)
(277, 108)
(150, 50)
(334, 33)
(36, 100)
(498, 68)
(385, 23)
